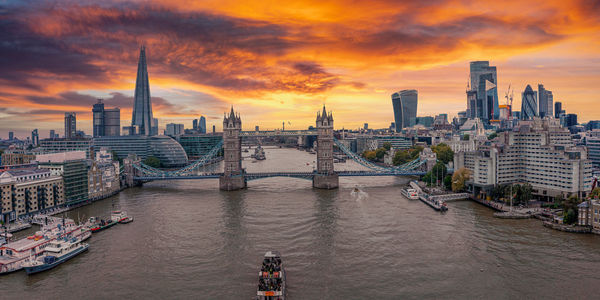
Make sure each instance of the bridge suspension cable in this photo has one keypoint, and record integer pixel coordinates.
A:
(409, 166)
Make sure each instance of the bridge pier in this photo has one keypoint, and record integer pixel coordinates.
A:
(232, 183)
(324, 181)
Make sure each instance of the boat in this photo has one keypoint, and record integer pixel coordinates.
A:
(438, 205)
(410, 193)
(271, 278)
(118, 215)
(128, 219)
(55, 253)
(4, 238)
(98, 225)
(15, 253)
(259, 153)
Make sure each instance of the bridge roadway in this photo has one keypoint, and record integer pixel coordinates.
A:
(302, 175)
(265, 133)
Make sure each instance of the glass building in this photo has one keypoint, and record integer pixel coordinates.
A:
(593, 147)
(142, 106)
(482, 97)
(107, 122)
(70, 125)
(546, 101)
(166, 149)
(65, 145)
(196, 146)
(529, 104)
(405, 108)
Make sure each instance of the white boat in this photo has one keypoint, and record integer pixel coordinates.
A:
(55, 253)
(118, 216)
(14, 254)
(410, 193)
(271, 278)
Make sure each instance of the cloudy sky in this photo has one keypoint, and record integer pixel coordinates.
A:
(277, 62)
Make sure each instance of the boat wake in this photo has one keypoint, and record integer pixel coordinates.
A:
(358, 194)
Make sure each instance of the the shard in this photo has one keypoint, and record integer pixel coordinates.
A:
(142, 107)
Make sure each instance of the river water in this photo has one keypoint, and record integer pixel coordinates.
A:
(190, 240)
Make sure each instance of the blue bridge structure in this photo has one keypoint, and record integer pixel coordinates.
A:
(235, 177)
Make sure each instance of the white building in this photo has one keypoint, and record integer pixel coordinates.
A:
(537, 152)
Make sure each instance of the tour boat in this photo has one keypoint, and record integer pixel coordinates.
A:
(97, 225)
(118, 216)
(410, 193)
(55, 253)
(14, 254)
(127, 219)
(271, 278)
(259, 153)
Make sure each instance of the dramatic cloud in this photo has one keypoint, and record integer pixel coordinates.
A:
(280, 60)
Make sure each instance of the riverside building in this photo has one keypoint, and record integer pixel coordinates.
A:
(72, 166)
(26, 191)
(538, 152)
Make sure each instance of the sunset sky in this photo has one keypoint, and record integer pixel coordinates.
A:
(279, 61)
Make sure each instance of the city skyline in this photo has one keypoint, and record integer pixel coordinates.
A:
(273, 69)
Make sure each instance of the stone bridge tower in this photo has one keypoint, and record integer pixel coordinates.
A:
(325, 177)
(233, 175)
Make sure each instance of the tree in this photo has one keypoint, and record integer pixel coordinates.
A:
(595, 193)
(379, 153)
(415, 151)
(444, 152)
(448, 182)
(152, 162)
(370, 155)
(387, 146)
(570, 217)
(571, 203)
(465, 137)
(522, 193)
(401, 157)
(459, 178)
(438, 172)
(492, 136)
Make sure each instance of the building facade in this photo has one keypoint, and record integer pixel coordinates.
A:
(48, 146)
(482, 96)
(106, 122)
(405, 108)
(546, 100)
(196, 146)
(28, 191)
(142, 106)
(173, 129)
(72, 166)
(13, 156)
(167, 150)
(540, 153)
(529, 104)
(70, 125)
(103, 176)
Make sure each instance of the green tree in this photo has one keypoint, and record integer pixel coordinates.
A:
(438, 172)
(370, 155)
(465, 137)
(459, 178)
(401, 157)
(415, 151)
(570, 216)
(387, 146)
(152, 162)
(571, 203)
(492, 136)
(379, 153)
(448, 182)
(444, 152)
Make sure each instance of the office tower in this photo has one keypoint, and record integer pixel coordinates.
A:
(214, 129)
(571, 120)
(366, 126)
(154, 129)
(174, 129)
(52, 134)
(142, 107)
(195, 124)
(70, 125)
(35, 137)
(106, 121)
(482, 97)
(529, 104)
(202, 124)
(11, 135)
(557, 109)
(545, 101)
(405, 108)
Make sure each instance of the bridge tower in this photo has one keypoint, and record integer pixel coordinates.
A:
(326, 178)
(233, 175)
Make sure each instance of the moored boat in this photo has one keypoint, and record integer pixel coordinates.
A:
(128, 219)
(271, 278)
(410, 193)
(55, 253)
(118, 216)
(101, 224)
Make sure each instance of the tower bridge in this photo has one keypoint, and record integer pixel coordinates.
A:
(234, 177)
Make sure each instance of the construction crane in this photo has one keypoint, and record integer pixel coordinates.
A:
(509, 100)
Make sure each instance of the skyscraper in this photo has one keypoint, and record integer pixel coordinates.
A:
(557, 109)
(202, 125)
(529, 104)
(35, 137)
(106, 122)
(482, 97)
(405, 108)
(70, 125)
(11, 135)
(52, 134)
(195, 124)
(545, 101)
(154, 128)
(142, 107)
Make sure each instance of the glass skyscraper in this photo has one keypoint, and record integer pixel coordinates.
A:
(529, 104)
(142, 106)
(405, 108)
(106, 121)
(545, 101)
(482, 97)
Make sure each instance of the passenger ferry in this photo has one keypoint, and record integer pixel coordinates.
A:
(14, 254)
(55, 253)
(118, 216)
(271, 278)
(410, 193)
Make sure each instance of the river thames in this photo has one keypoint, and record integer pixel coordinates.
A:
(190, 240)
